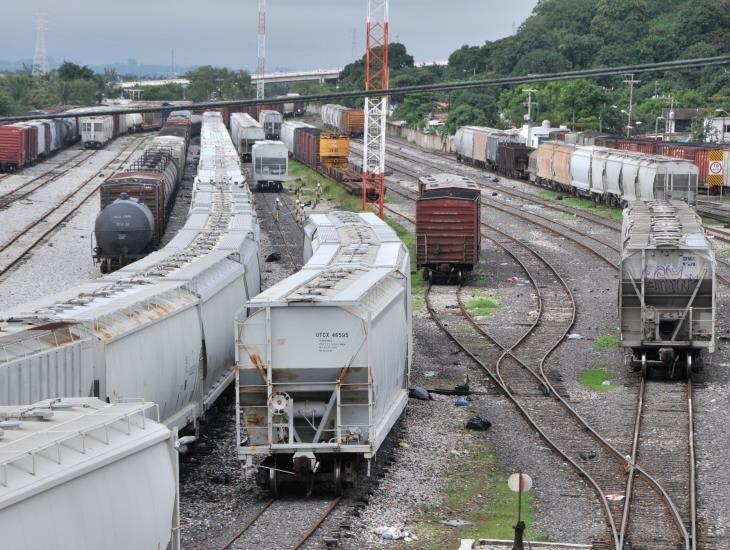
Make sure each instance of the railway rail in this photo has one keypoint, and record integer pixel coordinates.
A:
(32, 185)
(36, 231)
(280, 223)
(520, 372)
(278, 508)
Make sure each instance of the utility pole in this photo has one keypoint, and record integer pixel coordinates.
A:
(40, 57)
(629, 79)
(529, 93)
(376, 108)
(261, 61)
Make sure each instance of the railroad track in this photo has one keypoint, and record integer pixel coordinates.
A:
(36, 231)
(269, 205)
(520, 372)
(37, 182)
(666, 412)
(273, 515)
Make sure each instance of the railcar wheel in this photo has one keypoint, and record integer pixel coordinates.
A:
(274, 478)
(424, 274)
(688, 366)
(644, 367)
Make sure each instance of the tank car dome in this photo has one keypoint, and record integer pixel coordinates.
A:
(546, 123)
(124, 227)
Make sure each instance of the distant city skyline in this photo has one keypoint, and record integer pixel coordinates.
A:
(327, 34)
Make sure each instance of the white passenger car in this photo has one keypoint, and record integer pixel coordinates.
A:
(324, 356)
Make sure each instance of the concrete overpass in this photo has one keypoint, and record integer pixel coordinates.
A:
(319, 75)
(135, 87)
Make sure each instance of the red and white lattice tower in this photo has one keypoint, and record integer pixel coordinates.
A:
(261, 63)
(376, 108)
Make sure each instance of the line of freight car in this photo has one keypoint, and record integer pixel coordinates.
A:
(159, 329)
(326, 153)
(270, 121)
(24, 144)
(136, 202)
(270, 165)
(319, 399)
(348, 122)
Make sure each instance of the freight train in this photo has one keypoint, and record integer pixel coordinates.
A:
(24, 143)
(159, 329)
(323, 357)
(667, 287)
(448, 230)
(326, 152)
(136, 201)
(270, 121)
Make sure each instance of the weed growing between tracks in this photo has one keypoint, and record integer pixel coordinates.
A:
(595, 378)
(584, 204)
(483, 304)
(476, 491)
(607, 341)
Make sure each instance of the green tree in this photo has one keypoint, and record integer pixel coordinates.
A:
(208, 82)
(464, 115)
(72, 71)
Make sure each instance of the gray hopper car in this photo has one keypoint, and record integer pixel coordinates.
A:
(324, 357)
(667, 288)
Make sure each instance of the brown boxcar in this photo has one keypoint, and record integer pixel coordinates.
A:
(513, 159)
(14, 152)
(448, 233)
(306, 146)
(353, 122)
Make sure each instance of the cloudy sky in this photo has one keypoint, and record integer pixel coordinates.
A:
(301, 33)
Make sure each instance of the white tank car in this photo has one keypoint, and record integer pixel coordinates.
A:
(667, 292)
(270, 165)
(324, 356)
(245, 131)
(158, 329)
(96, 131)
(80, 473)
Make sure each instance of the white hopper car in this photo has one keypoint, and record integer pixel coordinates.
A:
(83, 474)
(96, 131)
(158, 329)
(245, 131)
(271, 122)
(323, 358)
(270, 165)
(667, 291)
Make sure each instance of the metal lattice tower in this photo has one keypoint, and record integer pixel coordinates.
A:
(376, 108)
(261, 63)
(40, 57)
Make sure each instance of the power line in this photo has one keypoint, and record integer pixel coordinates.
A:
(405, 90)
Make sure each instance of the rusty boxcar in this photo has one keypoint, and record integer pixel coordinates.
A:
(448, 235)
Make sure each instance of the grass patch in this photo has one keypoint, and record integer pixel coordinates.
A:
(483, 304)
(418, 285)
(584, 204)
(476, 491)
(331, 190)
(607, 341)
(595, 379)
(725, 252)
